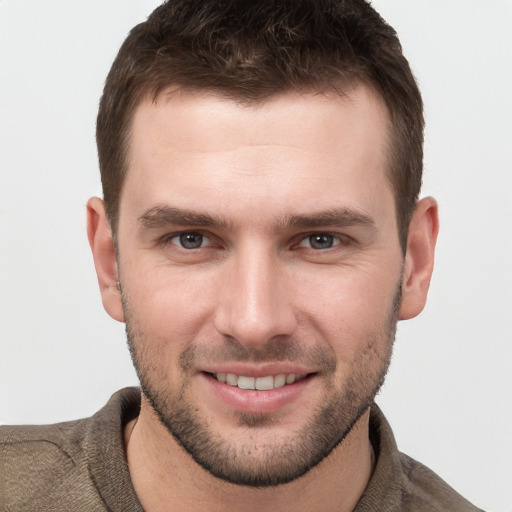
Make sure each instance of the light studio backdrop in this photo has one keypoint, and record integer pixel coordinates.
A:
(449, 392)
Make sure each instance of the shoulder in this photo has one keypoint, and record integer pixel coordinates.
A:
(425, 490)
(60, 441)
(70, 465)
(39, 462)
(399, 483)
(30, 448)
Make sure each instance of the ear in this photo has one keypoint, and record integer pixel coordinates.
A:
(103, 252)
(419, 258)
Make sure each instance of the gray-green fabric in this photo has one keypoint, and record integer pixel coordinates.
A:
(81, 466)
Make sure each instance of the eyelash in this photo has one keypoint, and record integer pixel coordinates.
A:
(168, 239)
(337, 240)
(334, 238)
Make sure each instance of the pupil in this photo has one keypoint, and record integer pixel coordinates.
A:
(191, 240)
(321, 241)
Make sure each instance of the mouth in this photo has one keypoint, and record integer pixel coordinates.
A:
(257, 390)
(265, 383)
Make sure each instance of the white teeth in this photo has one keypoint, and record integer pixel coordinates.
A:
(263, 383)
(231, 379)
(259, 383)
(290, 379)
(279, 381)
(246, 382)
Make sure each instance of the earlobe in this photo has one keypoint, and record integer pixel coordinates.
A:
(103, 252)
(419, 258)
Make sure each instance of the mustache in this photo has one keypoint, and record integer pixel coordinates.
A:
(275, 350)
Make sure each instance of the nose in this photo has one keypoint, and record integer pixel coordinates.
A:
(256, 302)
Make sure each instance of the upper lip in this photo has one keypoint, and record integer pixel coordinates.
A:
(252, 370)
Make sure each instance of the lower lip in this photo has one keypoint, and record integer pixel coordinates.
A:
(255, 401)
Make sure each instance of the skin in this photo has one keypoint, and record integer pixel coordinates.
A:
(256, 297)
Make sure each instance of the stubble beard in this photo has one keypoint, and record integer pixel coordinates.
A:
(259, 462)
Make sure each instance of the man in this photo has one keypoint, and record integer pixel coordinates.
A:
(260, 236)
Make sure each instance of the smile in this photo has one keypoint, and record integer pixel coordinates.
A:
(259, 383)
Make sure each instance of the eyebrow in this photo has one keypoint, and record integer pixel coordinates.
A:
(161, 216)
(339, 217)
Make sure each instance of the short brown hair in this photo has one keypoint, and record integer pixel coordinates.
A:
(248, 51)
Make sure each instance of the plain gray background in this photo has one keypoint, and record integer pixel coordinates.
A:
(449, 392)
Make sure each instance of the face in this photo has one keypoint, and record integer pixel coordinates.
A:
(260, 271)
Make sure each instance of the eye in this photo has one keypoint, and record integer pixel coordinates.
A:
(319, 241)
(189, 240)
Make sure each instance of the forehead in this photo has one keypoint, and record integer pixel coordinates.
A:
(187, 113)
(293, 148)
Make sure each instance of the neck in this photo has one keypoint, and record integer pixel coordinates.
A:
(165, 477)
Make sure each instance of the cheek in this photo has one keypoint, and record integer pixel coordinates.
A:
(170, 307)
(349, 307)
